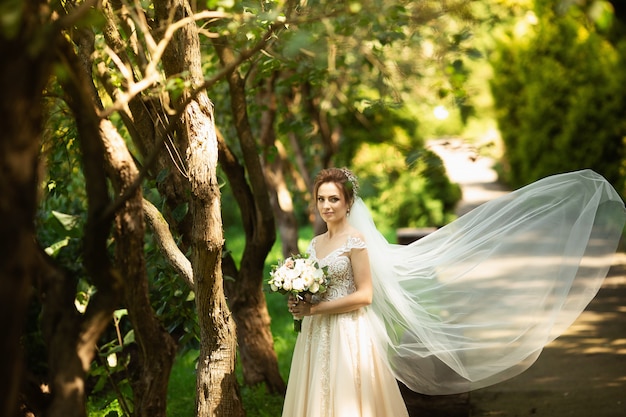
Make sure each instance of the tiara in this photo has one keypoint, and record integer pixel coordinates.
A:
(352, 180)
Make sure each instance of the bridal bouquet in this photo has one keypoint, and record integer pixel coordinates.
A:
(298, 275)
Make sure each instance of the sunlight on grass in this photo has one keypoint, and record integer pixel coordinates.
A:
(181, 393)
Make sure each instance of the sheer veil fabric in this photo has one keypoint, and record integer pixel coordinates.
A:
(475, 302)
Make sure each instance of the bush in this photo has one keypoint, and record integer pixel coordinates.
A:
(559, 100)
(406, 190)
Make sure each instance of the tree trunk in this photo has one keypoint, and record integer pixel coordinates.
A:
(274, 167)
(151, 367)
(157, 350)
(301, 174)
(22, 78)
(149, 114)
(217, 392)
(260, 363)
(72, 338)
(246, 297)
(217, 389)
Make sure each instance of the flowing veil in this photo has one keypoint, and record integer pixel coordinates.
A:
(475, 302)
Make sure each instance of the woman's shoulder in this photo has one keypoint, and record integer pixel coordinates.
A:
(355, 240)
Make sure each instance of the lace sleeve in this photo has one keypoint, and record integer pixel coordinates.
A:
(355, 242)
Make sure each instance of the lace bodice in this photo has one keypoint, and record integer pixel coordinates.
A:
(340, 275)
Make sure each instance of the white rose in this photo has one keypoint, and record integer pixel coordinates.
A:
(297, 284)
(277, 281)
(319, 275)
(292, 274)
(308, 279)
(303, 264)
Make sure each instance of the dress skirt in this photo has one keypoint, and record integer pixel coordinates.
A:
(337, 372)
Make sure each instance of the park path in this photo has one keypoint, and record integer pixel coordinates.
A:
(583, 372)
(474, 173)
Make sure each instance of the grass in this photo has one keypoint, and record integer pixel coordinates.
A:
(181, 393)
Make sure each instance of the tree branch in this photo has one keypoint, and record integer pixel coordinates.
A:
(171, 126)
(166, 242)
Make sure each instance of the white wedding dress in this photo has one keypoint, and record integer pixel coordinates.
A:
(336, 369)
(468, 306)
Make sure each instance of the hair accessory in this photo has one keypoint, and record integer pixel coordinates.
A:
(352, 180)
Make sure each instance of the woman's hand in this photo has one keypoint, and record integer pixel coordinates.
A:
(299, 306)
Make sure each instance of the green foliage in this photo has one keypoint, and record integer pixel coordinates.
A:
(351, 71)
(109, 374)
(59, 220)
(407, 190)
(98, 407)
(560, 99)
(343, 58)
(405, 184)
(11, 20)
(60, 223)
(181, 392)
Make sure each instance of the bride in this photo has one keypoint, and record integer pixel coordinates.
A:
(468, 306)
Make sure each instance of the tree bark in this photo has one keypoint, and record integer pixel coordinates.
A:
(274, 159)
(149, 115)
(72, 338)
(151, 366)
(167, 244)
(157, 350)
(217, 389)
(216, 385)
(246, 297)
(22, 79)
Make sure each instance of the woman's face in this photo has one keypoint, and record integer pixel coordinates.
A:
(331, 203)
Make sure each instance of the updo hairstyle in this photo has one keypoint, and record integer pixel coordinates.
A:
(343, 178)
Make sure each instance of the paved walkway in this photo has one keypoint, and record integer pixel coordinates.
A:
(474, 173)
(583, 372)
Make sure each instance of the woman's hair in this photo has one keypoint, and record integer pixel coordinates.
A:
(343, 178)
